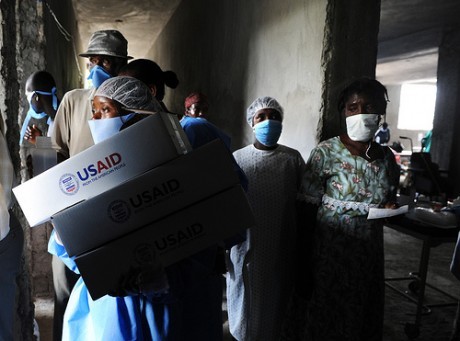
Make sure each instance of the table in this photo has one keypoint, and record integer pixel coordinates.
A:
(431, 236)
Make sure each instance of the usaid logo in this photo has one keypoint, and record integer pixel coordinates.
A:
(154, 194)
(99, 166)
(180, 237)
(68, 183)
(144, 254)
(119, 211)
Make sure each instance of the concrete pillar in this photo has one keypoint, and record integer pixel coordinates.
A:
(445, 148)
(9, 108)
(349, 52)
(29, 40)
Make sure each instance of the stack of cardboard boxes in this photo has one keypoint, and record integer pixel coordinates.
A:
(139, 198)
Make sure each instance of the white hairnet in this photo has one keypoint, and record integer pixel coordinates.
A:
(262, 103)
(129, 92)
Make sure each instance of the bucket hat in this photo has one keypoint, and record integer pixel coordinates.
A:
(107, 43)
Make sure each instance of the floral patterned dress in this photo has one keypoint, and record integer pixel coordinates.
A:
(348, 263)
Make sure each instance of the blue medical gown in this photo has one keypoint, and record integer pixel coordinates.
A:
(109, 318)
(190, 311)
(200, 131)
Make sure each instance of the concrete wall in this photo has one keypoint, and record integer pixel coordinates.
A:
(300, 52)
(445, 148)
(61, 50)
(19, 20)
(236, 51)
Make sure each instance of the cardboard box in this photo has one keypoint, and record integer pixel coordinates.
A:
(153, 141)
(167, 241)
(146, 198)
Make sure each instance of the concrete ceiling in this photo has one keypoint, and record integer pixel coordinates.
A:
(140, 21)
(410, 30)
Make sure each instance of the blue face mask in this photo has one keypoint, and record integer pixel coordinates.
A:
(268, 132)
(104, 128)
(31, 94)
(31, 113)
(98, 75)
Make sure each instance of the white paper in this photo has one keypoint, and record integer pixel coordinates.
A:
(377, 213)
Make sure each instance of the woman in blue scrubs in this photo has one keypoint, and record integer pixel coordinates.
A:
(182, 303)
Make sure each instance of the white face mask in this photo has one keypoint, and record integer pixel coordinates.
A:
(102, 129)
(29, 95)
(362, 127)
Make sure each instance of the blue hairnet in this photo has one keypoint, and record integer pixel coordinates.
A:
(263, 103)
(129, 92)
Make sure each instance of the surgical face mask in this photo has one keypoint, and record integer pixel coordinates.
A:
(268, 132)
(98, 75)
(30, 114)
(102, 129)
(30, 95)
(362, 127)
(33, 112)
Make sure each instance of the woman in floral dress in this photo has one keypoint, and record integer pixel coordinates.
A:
(345, 176)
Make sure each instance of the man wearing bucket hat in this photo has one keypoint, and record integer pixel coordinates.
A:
(108, 53)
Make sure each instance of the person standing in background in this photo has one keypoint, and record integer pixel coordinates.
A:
(108, 53)
(198, 129)
(382, 136)
(196, 105)
(261, 270)
(43, 103)
(153, 76)
(426, 142)
(207, 299)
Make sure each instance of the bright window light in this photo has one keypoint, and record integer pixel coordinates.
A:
(416, 108)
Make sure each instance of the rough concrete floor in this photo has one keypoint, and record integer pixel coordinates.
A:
(402, 255)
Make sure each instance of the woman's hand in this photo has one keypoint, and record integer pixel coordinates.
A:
(146, 280)
(391, 205)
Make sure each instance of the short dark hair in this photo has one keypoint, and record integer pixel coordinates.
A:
(370, 87)
(150, 73)
(42, 81)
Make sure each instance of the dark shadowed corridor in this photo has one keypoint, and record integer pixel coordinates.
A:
(402, 255)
